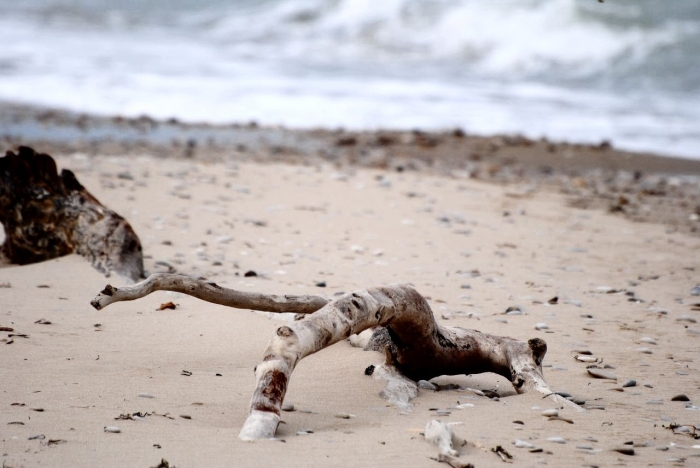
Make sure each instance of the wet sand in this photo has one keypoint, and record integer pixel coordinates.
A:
(593, 257)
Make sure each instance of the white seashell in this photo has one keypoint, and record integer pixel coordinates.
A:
(522, 444)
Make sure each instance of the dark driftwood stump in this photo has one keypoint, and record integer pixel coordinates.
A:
(46, 215)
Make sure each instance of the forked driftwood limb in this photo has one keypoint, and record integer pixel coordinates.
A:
(416, 346)
(46, 215)
(210, 292)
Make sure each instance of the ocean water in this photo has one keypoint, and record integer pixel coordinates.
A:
(627, 71)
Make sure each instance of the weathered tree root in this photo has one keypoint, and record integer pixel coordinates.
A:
(416, 346)
(46, 215)
(422, 349)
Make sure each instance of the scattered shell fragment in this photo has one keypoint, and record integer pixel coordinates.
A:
(37, 437)
(647, 340)
(541, 326)
(644, 350)
(601, 374)
(146, 395)
(465, 405)
(344, 416)
(582, 358)
(550, 412)
(556, 440)
(523, 444)
(112, 429)
(687, 319)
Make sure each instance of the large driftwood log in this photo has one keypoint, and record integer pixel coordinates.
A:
(46, 215)
(416, 346)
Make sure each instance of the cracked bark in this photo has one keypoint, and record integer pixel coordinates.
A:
(415, 345)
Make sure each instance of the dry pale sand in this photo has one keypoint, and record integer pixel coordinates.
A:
(474, 249)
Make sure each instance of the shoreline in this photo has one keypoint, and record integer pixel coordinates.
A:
(639, 186)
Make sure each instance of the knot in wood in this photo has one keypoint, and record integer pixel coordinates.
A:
(285, 332)
(538, 348)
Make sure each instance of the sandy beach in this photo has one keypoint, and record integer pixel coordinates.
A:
(592, 249)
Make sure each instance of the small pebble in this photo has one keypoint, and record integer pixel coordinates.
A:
(581, 358)
(427, 385)
(556, 440)
(288, 407)
(541, 326)
(37, 437)
(514, 310)
(624, 450)
(629, 383)
(648, 340)
(305, 432)
(584, 447)
(112, 429)
(680, 397)
(695, 291)
(550, 412)
(644, 350)
(686, 318)
(344, 416)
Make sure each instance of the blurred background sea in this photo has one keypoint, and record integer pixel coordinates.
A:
(627, 71)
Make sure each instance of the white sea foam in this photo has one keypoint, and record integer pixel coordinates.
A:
(626, 71)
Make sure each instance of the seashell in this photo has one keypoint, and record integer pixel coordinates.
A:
(601, 374)
(522, 444)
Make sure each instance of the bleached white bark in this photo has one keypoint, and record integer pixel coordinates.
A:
(210, 292)
(416, 346)
(420, 349)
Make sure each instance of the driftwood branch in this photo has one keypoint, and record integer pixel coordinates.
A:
(210, 292)
(46, 215)
(415, 345)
